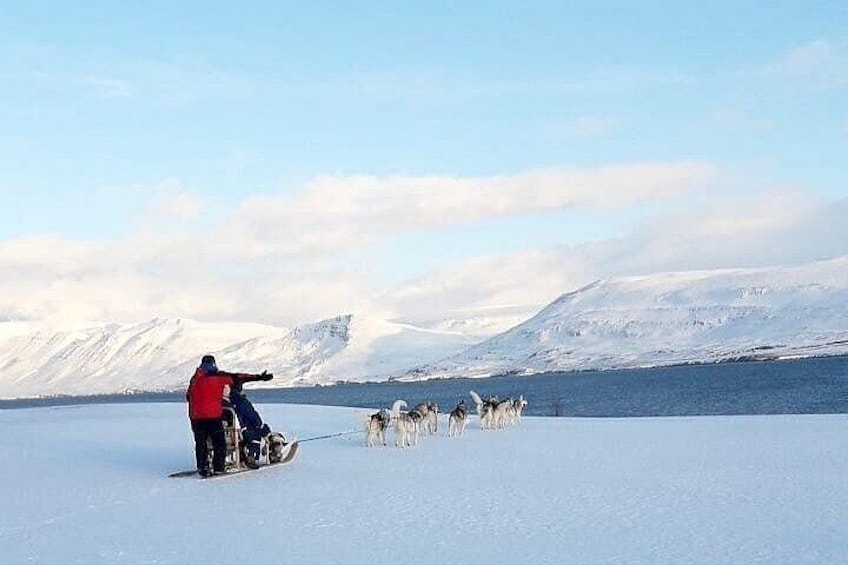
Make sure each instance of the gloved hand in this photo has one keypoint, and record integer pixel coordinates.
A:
(266, 376)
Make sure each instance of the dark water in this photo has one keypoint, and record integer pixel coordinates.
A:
(804, 386)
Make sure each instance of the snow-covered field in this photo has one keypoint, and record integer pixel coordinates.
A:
(87, 484)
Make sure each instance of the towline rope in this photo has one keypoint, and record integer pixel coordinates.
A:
(337, 434)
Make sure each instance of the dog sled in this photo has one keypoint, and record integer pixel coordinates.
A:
(274, 449)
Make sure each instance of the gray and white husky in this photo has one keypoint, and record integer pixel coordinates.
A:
(518, 406)
(406, 425)
(427, 415)
(496, 413)
(457, 419)
(376, 426)
(485, 410)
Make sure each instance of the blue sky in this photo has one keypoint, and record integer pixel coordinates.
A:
(155, 126)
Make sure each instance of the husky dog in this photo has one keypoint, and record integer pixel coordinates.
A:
(501, 413)
(429, 417)
(457, 419)
(509, 411)
(496, 413)
(485, 410)
(376, 426)
(518, 406)
(406, 424)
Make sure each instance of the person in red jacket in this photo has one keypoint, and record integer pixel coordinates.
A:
(206, 392)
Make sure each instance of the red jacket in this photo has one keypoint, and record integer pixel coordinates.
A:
(205, 394)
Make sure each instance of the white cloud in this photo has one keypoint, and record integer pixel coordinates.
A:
(46, 256)
(345, 212)
(525, 280)
(279, 259)
(772, 228)
(170, 209)
(748, 216)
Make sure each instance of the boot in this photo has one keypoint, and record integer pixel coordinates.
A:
(252, 456)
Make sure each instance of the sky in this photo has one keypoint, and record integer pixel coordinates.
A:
(89, 486)
(281, 163)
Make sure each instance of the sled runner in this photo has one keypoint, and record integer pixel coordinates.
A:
(291, 451)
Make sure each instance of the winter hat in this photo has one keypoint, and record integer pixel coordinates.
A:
(208, 364)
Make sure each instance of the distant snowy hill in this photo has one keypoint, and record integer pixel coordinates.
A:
(672, 318)
(662, 319)
(160, 355)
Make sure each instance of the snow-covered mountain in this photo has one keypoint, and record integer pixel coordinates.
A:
(662, 319)
(672, 318)
(161, 354)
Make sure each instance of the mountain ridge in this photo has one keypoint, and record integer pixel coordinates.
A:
(660, 319)
(672, 318)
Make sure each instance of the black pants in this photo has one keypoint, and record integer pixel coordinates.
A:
(214, 430)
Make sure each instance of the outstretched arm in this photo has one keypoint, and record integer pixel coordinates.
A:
(241, 378)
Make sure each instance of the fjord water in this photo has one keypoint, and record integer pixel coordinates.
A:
(801, 386)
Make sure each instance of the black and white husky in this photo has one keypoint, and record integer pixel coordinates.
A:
(406, 424)
(457, 419)
(376, 426)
